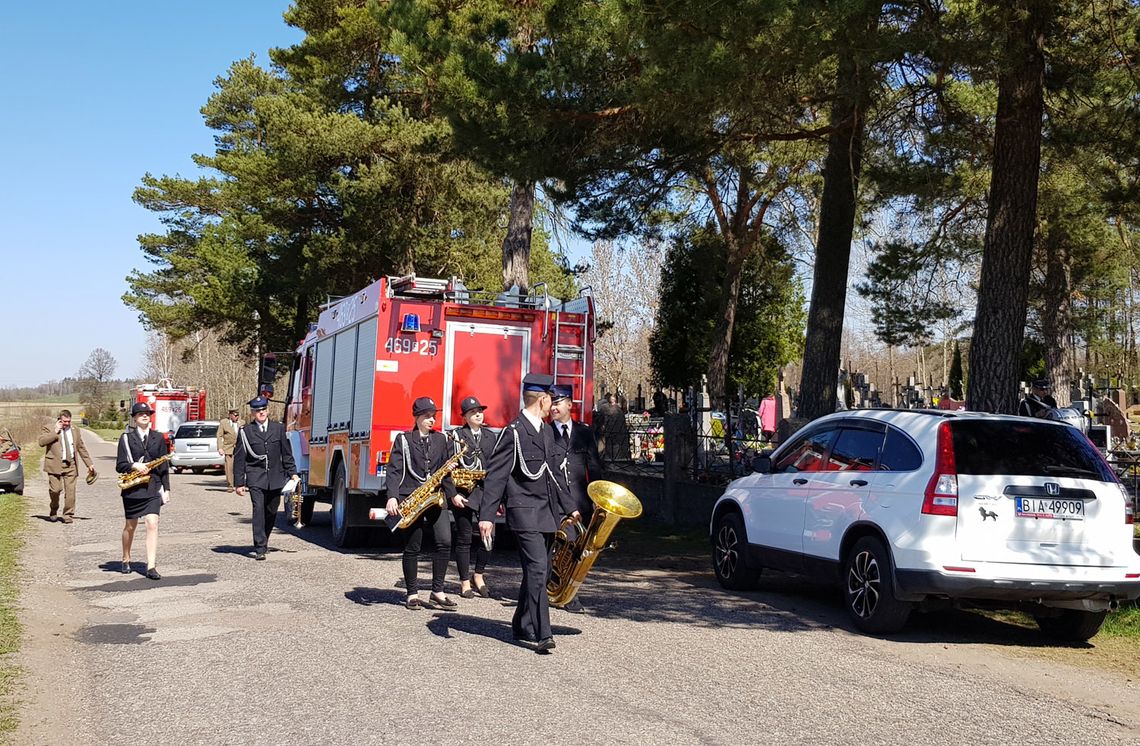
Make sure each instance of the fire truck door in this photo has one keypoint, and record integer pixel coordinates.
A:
(487, 361)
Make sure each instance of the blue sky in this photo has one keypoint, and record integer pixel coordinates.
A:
(96, 95)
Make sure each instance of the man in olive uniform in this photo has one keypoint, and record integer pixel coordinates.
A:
(521, 474)
(263, 464)
(227, 436)
(63, 447)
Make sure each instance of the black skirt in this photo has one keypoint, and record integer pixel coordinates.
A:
(139, 502)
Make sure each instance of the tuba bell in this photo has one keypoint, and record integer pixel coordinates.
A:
(572, 559)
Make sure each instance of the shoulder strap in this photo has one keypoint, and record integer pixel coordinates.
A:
(250, 451)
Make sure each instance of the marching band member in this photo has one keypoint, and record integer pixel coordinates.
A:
(479, 440)
(416, 454)
(263, 465)
(521, 475)
(137, 447)
(576, 454)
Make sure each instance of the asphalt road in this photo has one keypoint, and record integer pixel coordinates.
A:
(314, 646)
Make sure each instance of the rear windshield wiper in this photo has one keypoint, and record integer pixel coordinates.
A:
(1074, 471)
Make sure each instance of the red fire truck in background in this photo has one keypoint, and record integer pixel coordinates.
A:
(355, 375)
(172, 404)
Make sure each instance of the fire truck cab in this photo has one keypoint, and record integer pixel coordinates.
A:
(355, 375)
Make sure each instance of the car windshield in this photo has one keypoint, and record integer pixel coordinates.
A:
(1025, 449)
(196, 431)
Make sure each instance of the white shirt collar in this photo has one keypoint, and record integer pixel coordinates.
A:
(142, 433)
(535, 422)
(568, 425)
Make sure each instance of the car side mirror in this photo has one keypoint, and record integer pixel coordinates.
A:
(762, 464)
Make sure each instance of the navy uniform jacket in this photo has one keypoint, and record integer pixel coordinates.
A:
(270, 472)
(132, 449)
(478, 452)
(582, 464)
(522, 474)
(407, 468)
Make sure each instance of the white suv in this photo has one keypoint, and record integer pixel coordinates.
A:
(911, 507)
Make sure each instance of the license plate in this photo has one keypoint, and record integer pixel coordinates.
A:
(1040, 507)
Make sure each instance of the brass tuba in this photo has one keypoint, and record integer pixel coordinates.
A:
(135, 478)
(571, 560)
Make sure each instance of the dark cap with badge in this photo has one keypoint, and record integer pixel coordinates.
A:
(1042, 383)
(424, 405)
(470, 404)
(258, 403)
(141, 407)
(539, 382)
(561, 392)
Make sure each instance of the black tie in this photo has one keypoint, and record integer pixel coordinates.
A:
(424, 446)
(565, 432)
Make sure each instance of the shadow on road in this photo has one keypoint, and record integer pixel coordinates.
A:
(138, 581)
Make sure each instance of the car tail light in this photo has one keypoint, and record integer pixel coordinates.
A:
(12, 455)
(941, 496)
(1129, 517)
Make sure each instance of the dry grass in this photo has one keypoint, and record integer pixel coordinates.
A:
(25, 422)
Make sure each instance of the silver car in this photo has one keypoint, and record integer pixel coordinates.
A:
(196, 447)
(11, 472)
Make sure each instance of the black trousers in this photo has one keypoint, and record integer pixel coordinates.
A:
(265, 504)
(467, 530)
(439, 523)
(532, 615)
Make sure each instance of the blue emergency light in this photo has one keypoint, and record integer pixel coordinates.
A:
(410, 323)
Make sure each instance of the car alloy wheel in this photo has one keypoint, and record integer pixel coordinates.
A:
(863, 584)
(869, 589)
(727, 550)
(730, 563)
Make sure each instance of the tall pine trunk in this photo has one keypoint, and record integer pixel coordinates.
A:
(722, 334)
(841, 171)
(999, 325)
(516, 244)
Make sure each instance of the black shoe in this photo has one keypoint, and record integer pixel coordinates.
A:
(523, 638)
(483, 590)
(257, 554)
(545, 645)
(414, 602)
(467, 593)
(574, 607)
(126, 568)
(153, 574)
(443, 602)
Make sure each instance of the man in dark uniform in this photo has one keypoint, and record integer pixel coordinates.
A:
(576, 456)
(521, 474)
(263, 464)
(1039, 400)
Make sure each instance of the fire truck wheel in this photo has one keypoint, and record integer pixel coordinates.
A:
(343, 536)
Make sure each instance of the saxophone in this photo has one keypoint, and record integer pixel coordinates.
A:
(571, 560)
(465, 479)
(135, 478)
(427, 495)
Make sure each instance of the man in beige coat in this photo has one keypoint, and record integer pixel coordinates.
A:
(227, 436)
(63, 447)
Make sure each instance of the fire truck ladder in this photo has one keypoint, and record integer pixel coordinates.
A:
(571, 352)
(192, 411)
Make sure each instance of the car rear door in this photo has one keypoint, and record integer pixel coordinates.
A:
(1035, 493)
(842, 486)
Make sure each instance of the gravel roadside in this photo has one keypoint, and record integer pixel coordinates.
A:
(313, 646)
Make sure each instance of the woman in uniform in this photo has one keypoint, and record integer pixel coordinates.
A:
(137, 447)
(480, 441)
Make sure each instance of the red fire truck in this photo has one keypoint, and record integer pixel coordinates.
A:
(172, 404)
(369, 355)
